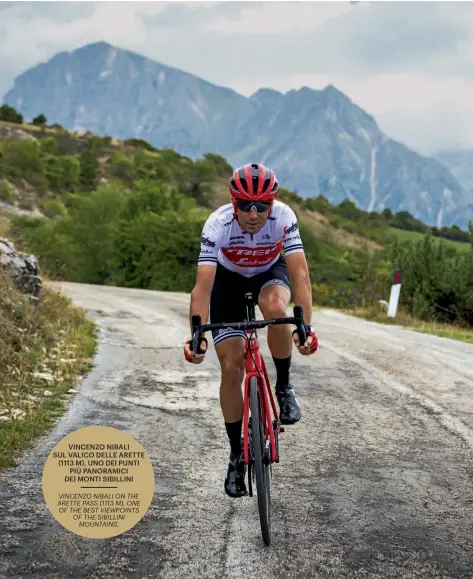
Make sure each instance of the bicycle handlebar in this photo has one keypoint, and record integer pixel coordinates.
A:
(198, 328)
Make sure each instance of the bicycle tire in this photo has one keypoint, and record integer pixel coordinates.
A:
(260, 466)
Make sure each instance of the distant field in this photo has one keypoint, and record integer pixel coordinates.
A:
(404, 235)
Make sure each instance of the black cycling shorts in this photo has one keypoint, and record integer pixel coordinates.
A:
(227, 301)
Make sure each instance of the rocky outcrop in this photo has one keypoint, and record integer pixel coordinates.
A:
(17, 211)
(24, 269)
(17, 133)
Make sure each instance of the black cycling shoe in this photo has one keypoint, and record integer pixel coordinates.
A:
(290, 411)
(235, 481)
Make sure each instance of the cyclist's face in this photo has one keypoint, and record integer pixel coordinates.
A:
(252, 221)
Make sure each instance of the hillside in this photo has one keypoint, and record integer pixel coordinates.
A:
(318, 141)
(35, 186)
(127, 214)
(29, 193)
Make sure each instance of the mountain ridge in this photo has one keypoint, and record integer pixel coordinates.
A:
(318, 141)
(459, 161)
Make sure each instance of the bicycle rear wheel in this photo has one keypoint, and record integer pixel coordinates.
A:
(261, 465)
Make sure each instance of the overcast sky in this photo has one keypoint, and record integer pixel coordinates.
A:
(410, 64)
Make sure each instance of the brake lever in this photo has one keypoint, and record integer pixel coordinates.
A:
(196, 334)
(300, 325)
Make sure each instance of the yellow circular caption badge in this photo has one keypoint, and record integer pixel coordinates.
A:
(98, 482)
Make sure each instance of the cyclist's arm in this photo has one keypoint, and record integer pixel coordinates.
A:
(200, 295)
(296, 263)
(300, 282)
(206, 270)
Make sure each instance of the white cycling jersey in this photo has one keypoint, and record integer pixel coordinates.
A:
(224, 241)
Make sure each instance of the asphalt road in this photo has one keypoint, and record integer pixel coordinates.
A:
(374, 481)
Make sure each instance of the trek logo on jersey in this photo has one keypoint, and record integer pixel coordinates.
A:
(252, 256)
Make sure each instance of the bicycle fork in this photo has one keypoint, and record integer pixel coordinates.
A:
(271, 428)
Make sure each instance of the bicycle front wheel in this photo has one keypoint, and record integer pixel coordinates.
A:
(261, 465)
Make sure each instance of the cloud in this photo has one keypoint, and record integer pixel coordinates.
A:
(339, 38)
(194, 16)
(407, 63)
(270, 18)
(396, 37)
(56, 11)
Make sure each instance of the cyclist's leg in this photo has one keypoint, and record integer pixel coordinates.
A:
(227, 305)
(273, 299)
(231, 355)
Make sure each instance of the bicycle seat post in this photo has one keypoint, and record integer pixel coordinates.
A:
(250, 307)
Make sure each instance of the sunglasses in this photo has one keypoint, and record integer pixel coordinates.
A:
(247, 206)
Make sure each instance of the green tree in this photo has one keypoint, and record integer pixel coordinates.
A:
(402, 220)
(387, 214)
(23, 160)
(52, 208)
(121, 166)
(222, 167)
(348, 210)
(319, 204)
(40, 120)
(80, 246)
(10, 115)
(152, 252)
(63, 173)
(139, 143)
(89, 170)
(289, 197)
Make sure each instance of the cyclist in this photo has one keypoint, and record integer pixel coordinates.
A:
(240, 251)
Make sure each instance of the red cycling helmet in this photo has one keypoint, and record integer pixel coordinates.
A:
(253, 182)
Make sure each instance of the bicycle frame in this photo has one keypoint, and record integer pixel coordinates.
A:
(255, 366)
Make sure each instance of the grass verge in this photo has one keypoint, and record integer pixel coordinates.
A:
(403, 319)
(4, 223)
(404, 235)
(44, 349)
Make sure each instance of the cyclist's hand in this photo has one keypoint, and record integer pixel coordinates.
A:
(310, 345)
(195, 358)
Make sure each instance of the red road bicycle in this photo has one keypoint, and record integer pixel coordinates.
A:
(260, 430)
